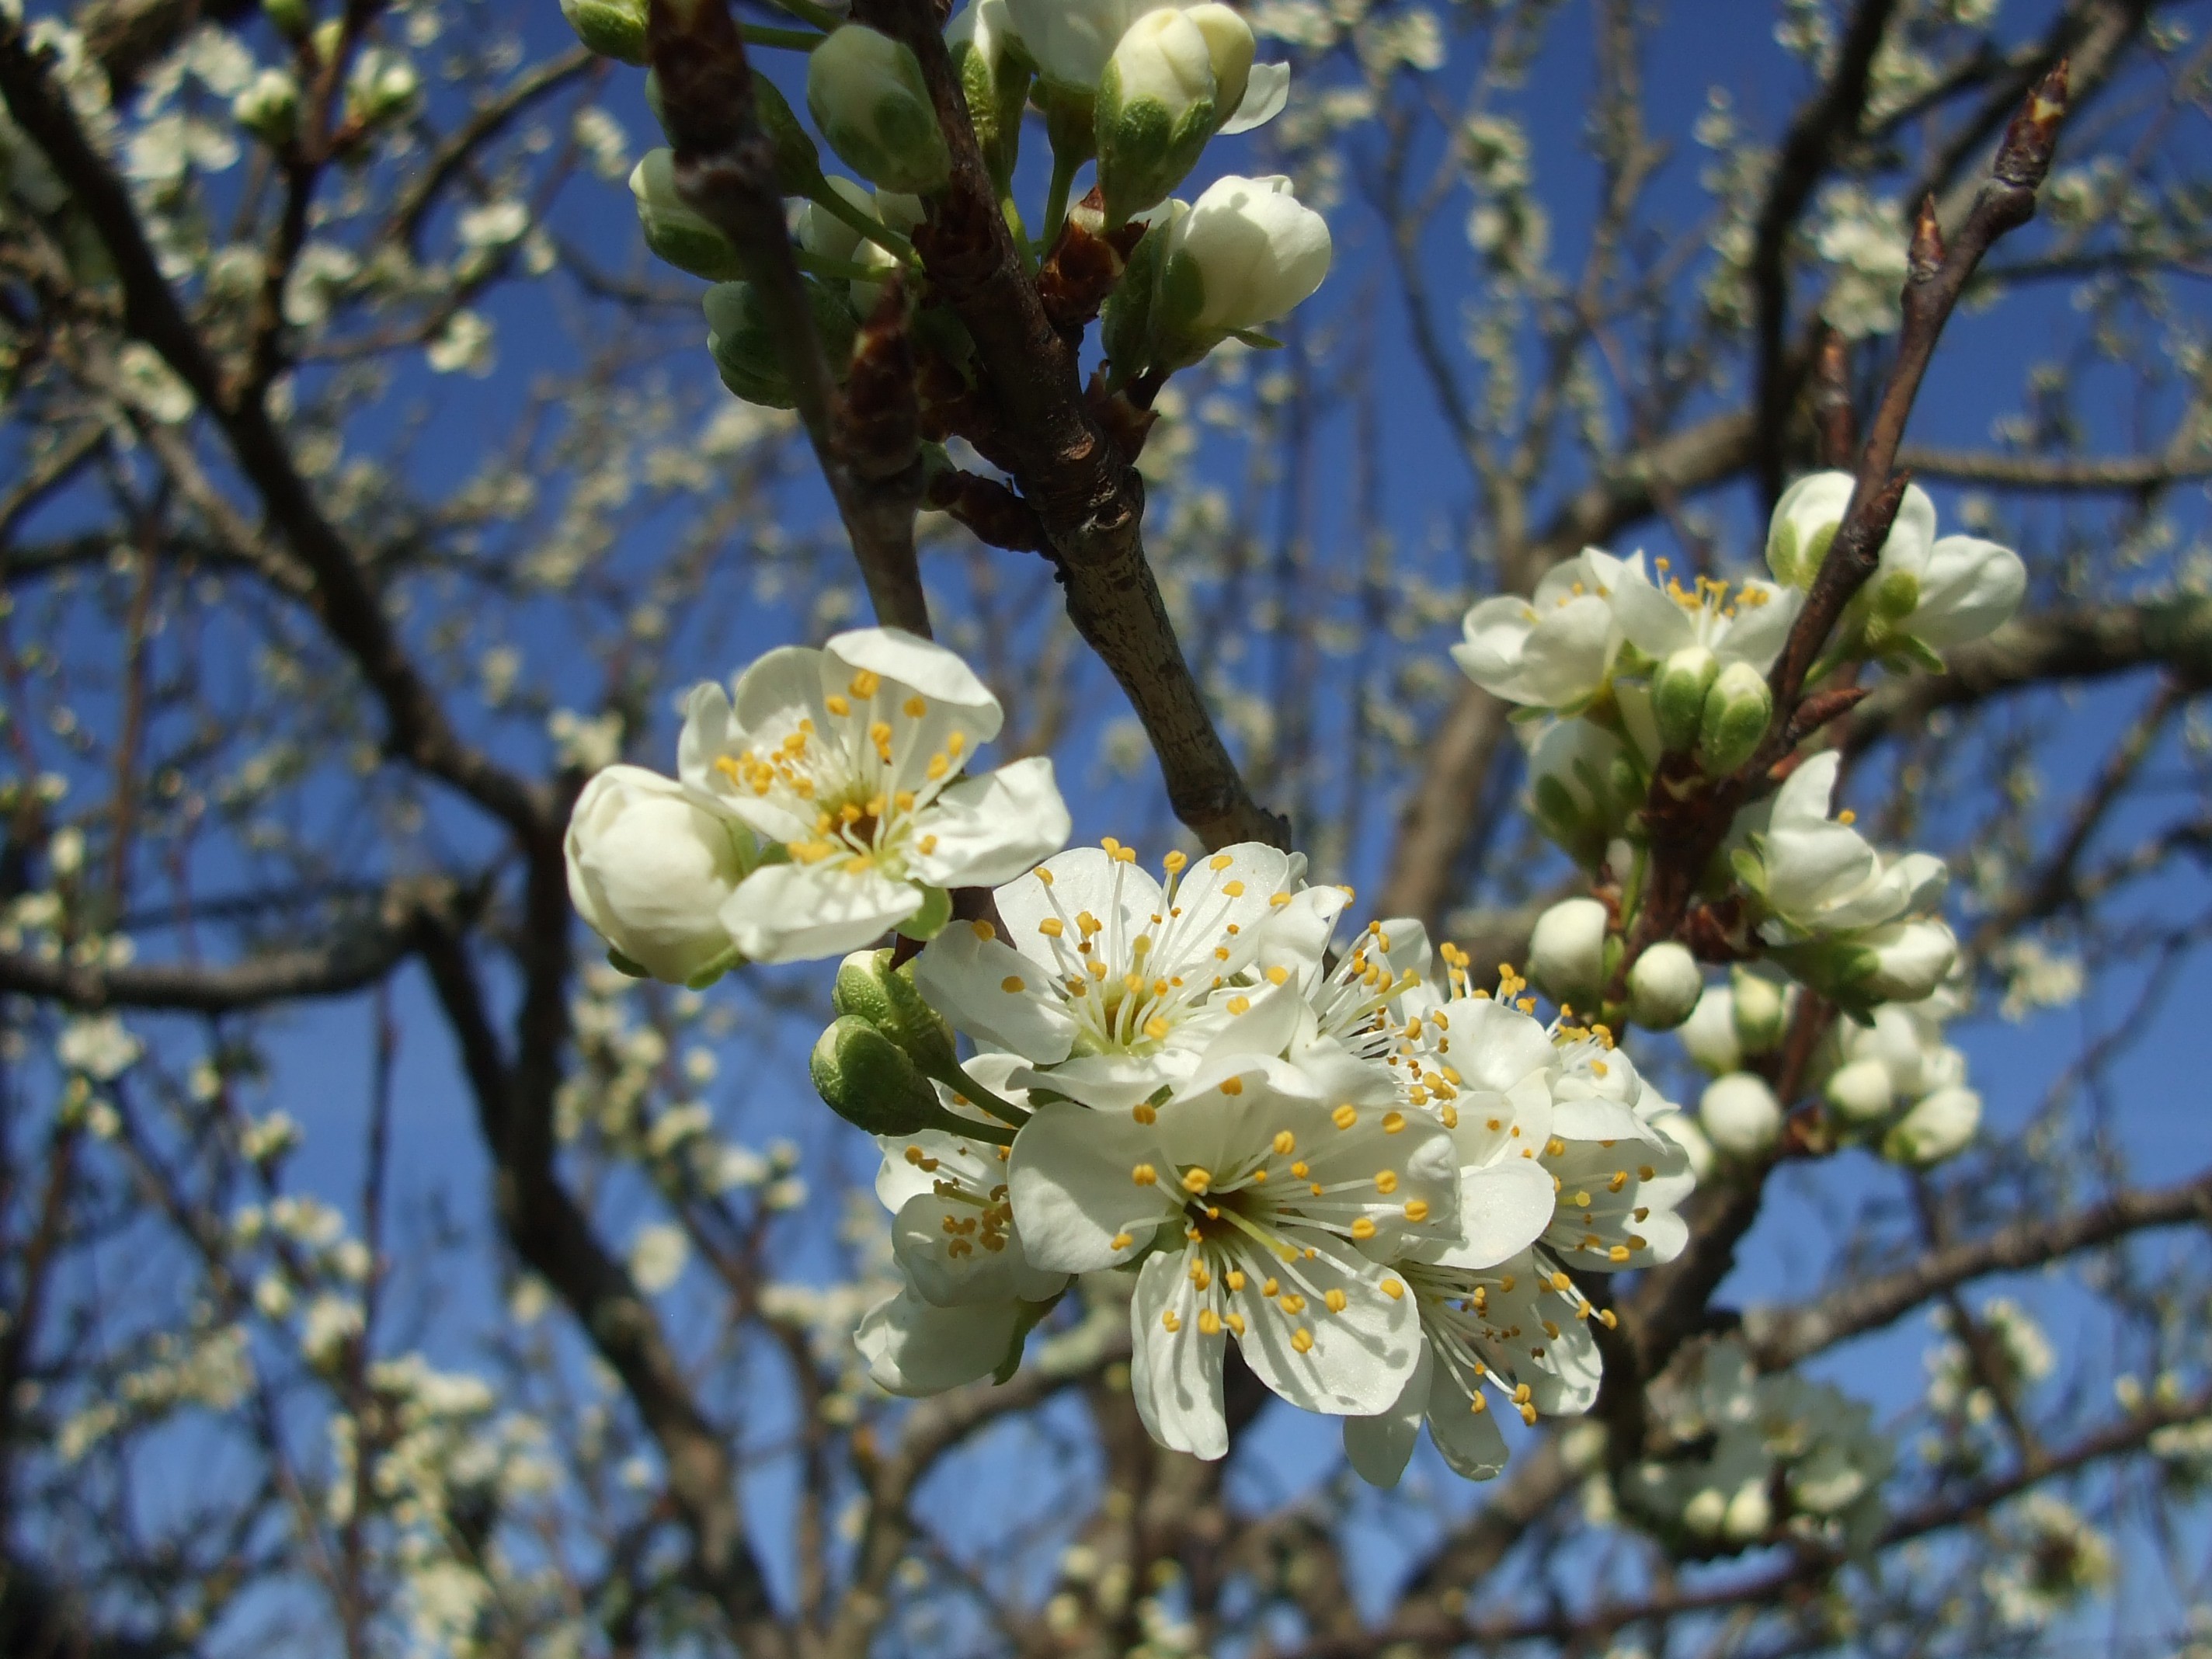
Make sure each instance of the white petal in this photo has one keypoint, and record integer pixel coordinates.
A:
(935, 1156)
(1470, 1440)
(908, 660)
(1358, 1359)
(1264, 94)
(803, 912)
(1653, 623)
(1123, 896)
(1493, 1046)
(1176, 1375)
(915, 1348)
(1112, 1083)
(1379, 1447)
(1502, 1210)
(958, 1270)
(1071, 1178)
(989, 829)
(965, 976)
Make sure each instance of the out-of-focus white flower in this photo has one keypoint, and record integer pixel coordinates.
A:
(657, 1257)
(100, 1046)
(1940, 1126)
(1740, 1114)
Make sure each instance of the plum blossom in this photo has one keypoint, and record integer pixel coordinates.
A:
(1554, 649)
(851, 758)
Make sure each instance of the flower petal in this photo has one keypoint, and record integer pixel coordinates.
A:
(1378, 1447)
(1502, 1210)
(1071, 1176)
(913, 1347)
(906, 659)
(803, 912)
(1176, 1375)
(1351, 1363)
(965, 976)
(989, 829)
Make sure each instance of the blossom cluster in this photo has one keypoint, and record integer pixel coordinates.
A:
(1623, 675)
(1132, 89)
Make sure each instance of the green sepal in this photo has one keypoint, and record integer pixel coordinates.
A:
(927, 923)
(733, 958)
(798, 161)
(622, 965)
(1029, 1317)
(1749, 870)
(1256, 340)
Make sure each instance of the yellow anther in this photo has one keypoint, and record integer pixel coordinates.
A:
(1417, 1209)
(1174, 861)
(1234, 889)
(1298, 1168)
(1120, 1242)
(1619, 1180)
(1144, 1174)
(1277, 976)
(1337, 1301)
(914, 708)
(1234, 1085)
(1582, 1200)
(1051, 928)
(1345, 1116)
(1221, 953)
(1233, 1278)
(938, 766)
(1302, 1340)
(1144, 1114)
(1220, 861)
(927, 845)
(1361, 1228)
(1239, 1005)
(1196, 1180)
(1386, 1181)
(1278, 900)
(837, 705)
(1157, 1029)
(1555, 1147)
(1012, 983)
(1235, 1321)
(1393, 1289)
(1209, 1322)
(1170, 1323)
(1286, 1143)
(1393, 1122)
(983, 930)
(1529, 1415)
(1477, 1405)
(1270, 1287)
(1618, 1253)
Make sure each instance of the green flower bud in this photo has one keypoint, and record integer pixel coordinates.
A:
(994, 81)
(612, 29)
(866, 1080)
(870, 988)
(1895, 594)
(748, 350)
(1663, 987)
(868, 97)
(672, 230)
(1155, 110)
(1735, 714)
(798, 161)
(1678, 695)
(292, 18)
(269, 108)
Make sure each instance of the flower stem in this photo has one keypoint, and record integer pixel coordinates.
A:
(760, 35)
(821, 16)
(1056, 201)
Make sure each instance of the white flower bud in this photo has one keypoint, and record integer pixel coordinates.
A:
(1750, 1512)
(1566, 951)
(1735, 718)
(1762, 1006)
(383, 86)
(1903, 961)
(649, 865)
(994, 81)
(1704, 1512)
(1664, 987)
(1937, 1127)
(1243, 254)
(1740, 1114)
(1678, 695)
(612, 29)
(674, 232)
(867, 95)
(1969, 587)
(1582, 787)
(1155, 110)
(1861, 1091)
(1682, 1129)
(1709, 1034)
(1229, 45)
(268, 106)
(1805, 521)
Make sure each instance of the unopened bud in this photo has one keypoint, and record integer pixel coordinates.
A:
(1735, 714)
(748, 348)
(1740, 1115)
(1566, 951)
(1678, 695)
(382, 86)
(798, 162)
(1155, 110)
(994, 81)
(868, 97)
(1761, 1006)
(269, 108)
(1861, 1091)
(1750, 1512)
(1709, 1034)
(868, 986)
(1663, 987)
(866, 1080)
(1895, 593)
(612, 29)
(673, 230)
(1937, 1127)
(292, 18)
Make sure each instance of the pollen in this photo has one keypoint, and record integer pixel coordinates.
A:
(1144, 1174)
(1196, 1180)
(1386, 1181)
(1012, 983)
(1120, 1242)
(1345, 1116)
(1393, 1122)
(1052, 927)
(1417, 1209)
(1337, 1301)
